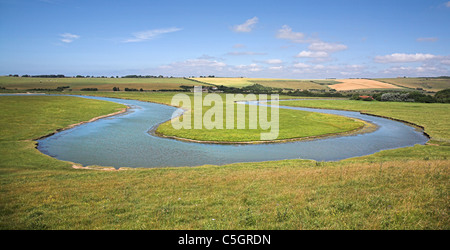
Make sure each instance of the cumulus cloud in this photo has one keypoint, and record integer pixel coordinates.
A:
(246, 68)
(245, 53)
(273, 61)
(312, 54)
(404, 58)
(324, 71)
(247, 26)
(327, 47)
(319, 50)
(428, 70)
(68, 37)
(150, 34)
(286, 33)
(276, 68)
(195, 63)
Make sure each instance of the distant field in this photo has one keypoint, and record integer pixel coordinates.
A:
(428, 84)
(103, 84)
(354, 84)
(274, 83)
(228, 81)
(290, 84)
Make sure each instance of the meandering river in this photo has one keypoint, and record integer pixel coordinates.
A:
(124, 141)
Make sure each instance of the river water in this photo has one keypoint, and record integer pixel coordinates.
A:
(124, 141)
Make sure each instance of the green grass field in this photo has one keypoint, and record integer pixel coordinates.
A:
(292, 124)
(434, 117)
(102, 84)
(427, 83)
(395, 189)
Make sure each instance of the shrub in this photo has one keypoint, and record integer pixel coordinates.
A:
(443, 96)
(396, 97)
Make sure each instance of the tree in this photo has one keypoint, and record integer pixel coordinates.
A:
(443, 96)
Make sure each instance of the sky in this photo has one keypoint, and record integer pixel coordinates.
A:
(295, 39)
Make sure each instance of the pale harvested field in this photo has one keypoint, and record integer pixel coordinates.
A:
(353, 84)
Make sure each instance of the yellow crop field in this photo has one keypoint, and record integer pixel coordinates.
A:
(354, 84)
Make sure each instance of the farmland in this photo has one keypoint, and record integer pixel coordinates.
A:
(154, 84)
(394, 189)
(357, 84)
(426, 83)
(274, 83)
(102, 84)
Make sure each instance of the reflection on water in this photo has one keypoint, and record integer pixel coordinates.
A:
(123, 141)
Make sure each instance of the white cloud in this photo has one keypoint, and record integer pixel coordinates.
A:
(324, 71)
(276, 68)
(68, 38)
(327, 47)
(150, 34)
(245, 53)
(286, 33)
(301, 65)
(427, 39)
(424, 70)
(312, 54)
(404, 58)
(246, 68)
(195, 63)
(447, 4)
(247, 26)
(273, 61)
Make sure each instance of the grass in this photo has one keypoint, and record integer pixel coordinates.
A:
(28, 117)
(239, 82)
(294, 84)
(274, 83)
(427, 83)
(434, 117)
(293, 124)
(395, 189)
(236, 82)
(102, 84)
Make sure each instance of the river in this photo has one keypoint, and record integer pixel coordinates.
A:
(123, 141)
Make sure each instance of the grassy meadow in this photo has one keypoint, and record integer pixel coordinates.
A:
(434, 117)
(293, 124)
(395, 189)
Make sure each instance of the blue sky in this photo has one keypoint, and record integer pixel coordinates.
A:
(275, 39)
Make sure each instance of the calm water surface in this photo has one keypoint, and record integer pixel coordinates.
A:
(124, 141)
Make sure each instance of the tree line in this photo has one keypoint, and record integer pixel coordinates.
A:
(442, 96)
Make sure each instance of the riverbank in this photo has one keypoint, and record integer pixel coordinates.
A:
(124, 110)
